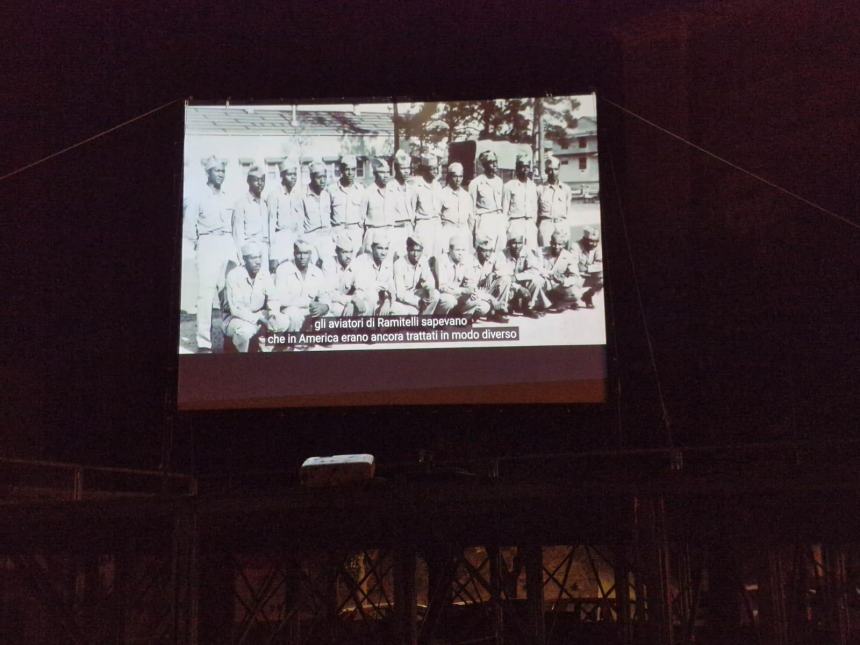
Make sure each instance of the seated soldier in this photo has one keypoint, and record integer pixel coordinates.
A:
(300, 291)
(374, 277)
(527, 287)
(248, 293)
(457, 274)
(493, 287)
(340, 273)
(563, 282)
(588, 256)
(414, 284)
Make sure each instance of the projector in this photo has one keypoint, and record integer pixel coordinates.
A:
(337, 470)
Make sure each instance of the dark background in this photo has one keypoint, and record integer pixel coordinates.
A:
(750, 296)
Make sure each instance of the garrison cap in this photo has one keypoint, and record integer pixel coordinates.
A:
(317, 166)
(379, 236)
(456, 167)
(413, 240)
(251, 248)
(287, 164)
(213, 162)
(551, 162)
(485, 244)
(487, 155)
(343, 241)
(429, 160)
(302, 243)
(378, 163)
(590, 233)
(349, 160)
(459, 238)
(402, 159)
(560, 234)
(256, 171)
(524, 159)
(516, 231)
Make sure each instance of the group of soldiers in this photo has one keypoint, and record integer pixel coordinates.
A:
(402, 245)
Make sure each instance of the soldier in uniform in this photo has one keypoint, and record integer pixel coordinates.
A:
(346, 198)
(486, 191)
(524, 268)
(341, 277)
(249, 293)
(316, 213)
(456, 272)
(457, 212)
(427, 204)
(563, 283)
(403, 200)
(374, 277)
(588, 255)
(414, 284)
(553, 203)
(378, 203)
(520, 201)
(301, 291)
(251, 217)
(494, 285)
(208, 224)
(285, 214)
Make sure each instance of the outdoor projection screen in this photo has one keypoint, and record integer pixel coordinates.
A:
(391, 253)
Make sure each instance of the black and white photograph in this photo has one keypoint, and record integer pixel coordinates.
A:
(306, 218)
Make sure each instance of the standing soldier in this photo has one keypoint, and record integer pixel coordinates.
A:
(285, 214)
(403, 201)
(377, 206)
(520, 201)
(346, 197)
(207, 223)
(486, 191)
(427, 205)
(553, 203)
(457, 210)
(316, 213)
(251, 217)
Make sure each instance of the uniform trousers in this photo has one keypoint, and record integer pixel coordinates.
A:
(369, 231)
(493, 226)
(547, 226)
(430, 232)
(214, 251)
(530, 229)
(241, 331)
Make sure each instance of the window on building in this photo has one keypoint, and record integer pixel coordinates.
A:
(564, 163)
(583, 163)
(359, 168)
(583, 142)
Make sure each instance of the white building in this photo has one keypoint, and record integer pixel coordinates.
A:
(579, 168)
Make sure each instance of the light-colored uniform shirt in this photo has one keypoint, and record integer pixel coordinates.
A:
(427, 199)
(520, 268)
(403, 200)
(587, 260)
(520, 200)
(371, 277)
(341, 280)
(553, 201)
(457, 208)
(285, 211)
(247, 297)
(250, 221)
(454, 276)
(408, 278)
(346, 204)
(486, 193)
(209, 211)
(378, 206)
(292, 289)
(316, 210)
(562, 268)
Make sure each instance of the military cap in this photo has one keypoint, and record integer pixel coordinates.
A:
(460, 238)
(343, 241)
(516, 231)
(551, 162)
(378, 163)
(287, 164)
(560, 234)
(251, 248)
(348, 160)
(256, 171)
(590, 233)
(213, 162)
(487, 155)
(402, 159)
(485, 244)
(379, 236)
(524, 159)
(456, 167)
(428, 160)
(302, 243)
(317, 167)
(413, 240)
